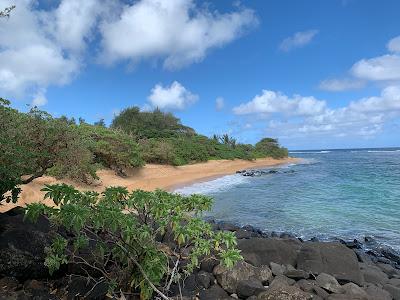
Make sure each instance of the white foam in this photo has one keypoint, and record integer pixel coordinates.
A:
(310, 152)
(212, 186)
(383, 151)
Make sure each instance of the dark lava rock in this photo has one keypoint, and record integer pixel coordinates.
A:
(208, 265)
(296, 274)
(83, 288)
(244, 234)
(250, 287)
(214, 293)
(261, 251)
(375, 292)
(393, 290)
(373, 274)
(22, 245)
(205, 279)
(285, 293)
(331, 258)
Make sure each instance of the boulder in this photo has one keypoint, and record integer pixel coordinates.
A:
(22, 245)
(373, 274)
(250, 287)
(296, 274)
(213, 293)
(375, 292)
(209, 264)
(205, 279)
(277, 269)
(388, 269)
(281, 281)
(331, 258)
(329, 283)
(262, 251)
(230, 278)
(393, 290)
(394, 281)
(355, 291)
(285, 293)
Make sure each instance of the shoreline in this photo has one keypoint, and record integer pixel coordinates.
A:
(149, 177)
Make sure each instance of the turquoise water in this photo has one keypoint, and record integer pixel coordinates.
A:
(340, 193)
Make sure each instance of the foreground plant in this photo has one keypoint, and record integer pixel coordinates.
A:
(120, 236)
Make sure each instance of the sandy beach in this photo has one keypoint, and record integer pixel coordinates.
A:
(149, 177)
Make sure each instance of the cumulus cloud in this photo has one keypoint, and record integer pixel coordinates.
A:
(270, 102)
(298, 40)
(37, 47)
(219, 103)
(173, 97)
(337, 85)
(40, 98)
(394, 44)
(175, 31)
(364, 117)
(41, 48)
(382, 68)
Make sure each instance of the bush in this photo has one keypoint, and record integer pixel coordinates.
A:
(155, 124)
(270, 147)
(119, 230)
(34, 142)
(111, 148)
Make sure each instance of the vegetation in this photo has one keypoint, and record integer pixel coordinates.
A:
(270, 147)
(155, 124)
(119, 234)
(35, 143)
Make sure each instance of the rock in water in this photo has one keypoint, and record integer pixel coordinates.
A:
(331, 258)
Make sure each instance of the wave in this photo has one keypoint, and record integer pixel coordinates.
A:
(212, 186)
(310, 152)
(382, 151)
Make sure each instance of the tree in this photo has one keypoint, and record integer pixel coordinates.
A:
(100, 123)
(139, 242)
(32, 144)
(6, 12)
(155, 124)
(112, 148)
(270, 147)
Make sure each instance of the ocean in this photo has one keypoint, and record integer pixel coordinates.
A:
(330, 194)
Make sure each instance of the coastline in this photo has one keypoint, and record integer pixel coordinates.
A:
(149, 177)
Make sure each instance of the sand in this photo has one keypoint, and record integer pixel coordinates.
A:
(150, 177)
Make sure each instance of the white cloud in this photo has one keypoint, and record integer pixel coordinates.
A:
(219, 103)
(364, 118)
(37, 47)
(394, 44)
(74, 21)
(270, 102)
(176, 31)
(299, 39)
(40, 98)
(173, 97)
(382, 68)
(337, 85)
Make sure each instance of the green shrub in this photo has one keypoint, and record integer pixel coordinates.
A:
(119, 230)
(154, 124)
(271, 148)
(34, 142)
(112, 148)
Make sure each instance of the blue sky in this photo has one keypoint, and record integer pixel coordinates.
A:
(315, 74)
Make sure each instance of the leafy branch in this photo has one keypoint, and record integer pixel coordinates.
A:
(138, 242)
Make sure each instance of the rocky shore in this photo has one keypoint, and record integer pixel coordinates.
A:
(274, 268)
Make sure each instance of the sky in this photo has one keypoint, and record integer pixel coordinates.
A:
(314, 74)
